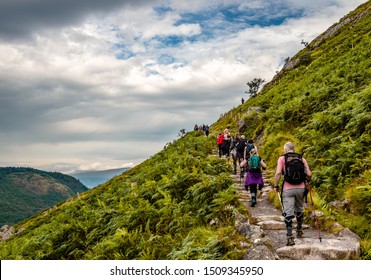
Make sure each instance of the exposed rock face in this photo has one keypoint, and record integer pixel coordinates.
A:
(243, 124)
(6, 232)
(268, 235)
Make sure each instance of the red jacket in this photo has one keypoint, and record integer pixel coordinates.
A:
(220, 139)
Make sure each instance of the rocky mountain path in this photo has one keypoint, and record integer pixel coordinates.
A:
(265, 228)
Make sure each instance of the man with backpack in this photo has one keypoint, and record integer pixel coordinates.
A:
(296, 171)
(237, 152)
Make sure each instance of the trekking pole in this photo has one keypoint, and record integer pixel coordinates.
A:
(314, 213)
(280, 199)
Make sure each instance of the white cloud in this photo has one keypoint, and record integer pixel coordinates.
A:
(106, 90)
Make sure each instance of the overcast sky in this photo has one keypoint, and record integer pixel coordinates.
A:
(90, 84)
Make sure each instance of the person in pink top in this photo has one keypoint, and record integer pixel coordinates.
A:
(296, 172)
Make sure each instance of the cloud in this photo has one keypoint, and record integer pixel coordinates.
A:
(112, 82)
(22, 18)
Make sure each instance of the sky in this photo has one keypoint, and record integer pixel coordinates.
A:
(102, 84)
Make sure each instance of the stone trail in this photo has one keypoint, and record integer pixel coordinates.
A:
(265, 228)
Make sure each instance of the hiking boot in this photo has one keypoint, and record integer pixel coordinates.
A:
(290, 240)
(299, 233)
(253, 201)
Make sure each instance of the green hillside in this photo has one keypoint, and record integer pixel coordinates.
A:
(321, 101)
(181, 203)
(26, 191)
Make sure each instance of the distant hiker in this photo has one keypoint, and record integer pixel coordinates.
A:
(254, 178)
(296, 171)
(195, 127)
(242, 100)
(207, 130)
(220, 143)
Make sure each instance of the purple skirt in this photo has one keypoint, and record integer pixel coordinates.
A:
(255, 178)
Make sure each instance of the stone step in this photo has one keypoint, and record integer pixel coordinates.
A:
(268, 234)
(313, 249)
(276, 225)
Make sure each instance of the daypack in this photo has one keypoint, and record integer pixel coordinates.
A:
(241, 144)
(253, 163)
(294, 169)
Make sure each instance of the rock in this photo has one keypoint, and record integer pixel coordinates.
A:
(328, 249)
(270, 218)
(259, 252)
(242, 124)
(271, 225)
(251, 232)
(346, 233)
(344, 205)
(6, 232)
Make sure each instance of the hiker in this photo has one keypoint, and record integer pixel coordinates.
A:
(240, 150)
(249, 146)
(254, 178)
(220, 143)
(226, 142)
(233, 152)
(296, 171)
(237, 148)
(207, 130)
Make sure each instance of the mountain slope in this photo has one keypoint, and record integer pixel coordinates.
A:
(26, 191)
(179, 204)
(182, 204)
(321, 101)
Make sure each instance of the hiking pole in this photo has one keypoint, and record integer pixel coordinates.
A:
(314, 213)
(280, 199)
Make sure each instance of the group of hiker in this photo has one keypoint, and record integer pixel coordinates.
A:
(292, 166)
(202, 127)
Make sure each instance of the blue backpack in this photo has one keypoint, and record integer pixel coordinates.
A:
(254, 163)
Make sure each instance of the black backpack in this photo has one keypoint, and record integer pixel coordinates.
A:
(295, 170)
(240, 145)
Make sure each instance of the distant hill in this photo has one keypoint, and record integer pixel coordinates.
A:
(91, 179)
(26, 191)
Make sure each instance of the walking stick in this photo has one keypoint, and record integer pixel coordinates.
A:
(314, 213)
(280, 199)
